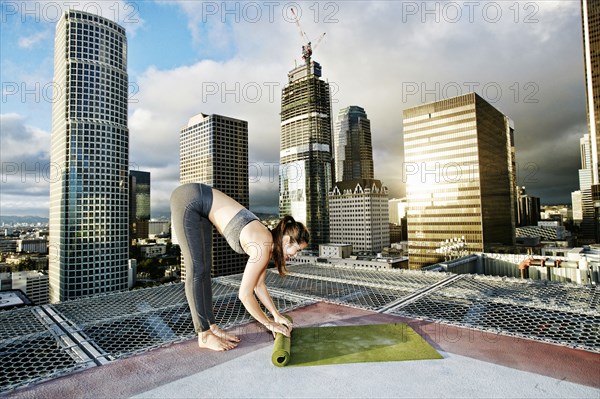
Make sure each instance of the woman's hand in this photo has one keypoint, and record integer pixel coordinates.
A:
(276, 327)
(284, 321)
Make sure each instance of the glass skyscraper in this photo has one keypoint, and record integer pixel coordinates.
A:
(352, 146)
(305, 169)
(214, 151)
(89, 220)
(139, 204)
(460, 177)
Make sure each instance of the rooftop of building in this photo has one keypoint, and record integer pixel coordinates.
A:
(499, 337)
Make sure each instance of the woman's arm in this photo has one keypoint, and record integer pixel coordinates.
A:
(253, 281)
(263, 295)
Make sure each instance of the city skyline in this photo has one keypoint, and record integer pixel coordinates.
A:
(525, 58)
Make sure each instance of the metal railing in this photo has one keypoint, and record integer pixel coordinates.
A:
(42, 342)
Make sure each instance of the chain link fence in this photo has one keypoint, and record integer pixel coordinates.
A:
(43, 342)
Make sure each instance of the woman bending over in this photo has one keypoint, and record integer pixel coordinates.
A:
(195, 208)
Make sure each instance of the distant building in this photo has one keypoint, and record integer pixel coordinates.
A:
(577, 207)
(32, 283)
(139, 204)
(131, 273)
(11, 299)
(397, 208)
(586, 202)
(158, 227)
(398, 223)
(152, 250)
(214, 151)
(8, 245)
(89, 198)
(460, 176)
(306, 170)
(563, 213)
(528, 209)
(353, 150)
(359, 216)
(545, 232)
(338, 251)
(33, 245)
(395, 233)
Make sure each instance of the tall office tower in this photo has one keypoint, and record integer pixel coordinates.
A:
(139, 204)
(214, 151)
(460, 177)
(577, 208)
(398, 231)
(359, 215)
(586, 226)
(89, 220)
(529, 209)
(590, 17)
(305, 175)
(352, 148)
(397, 210)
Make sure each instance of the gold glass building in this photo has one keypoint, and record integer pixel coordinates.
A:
(460, 178)
(590, 193)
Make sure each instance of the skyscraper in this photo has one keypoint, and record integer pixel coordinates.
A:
(586, 172)
(353, 151)
(460, 177)
(528, 209)
(90, 158)
(305, 175)
(214, 151)
(590, 17)
(139, 204)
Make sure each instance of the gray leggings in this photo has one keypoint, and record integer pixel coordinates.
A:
(190, 206)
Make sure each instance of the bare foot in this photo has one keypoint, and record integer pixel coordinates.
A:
(208, 340)
(222, 334)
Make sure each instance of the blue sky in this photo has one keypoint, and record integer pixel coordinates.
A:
(232, 58)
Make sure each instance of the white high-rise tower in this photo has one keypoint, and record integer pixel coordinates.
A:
(90, 158)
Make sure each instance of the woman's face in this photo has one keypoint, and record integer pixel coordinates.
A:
(291, 248)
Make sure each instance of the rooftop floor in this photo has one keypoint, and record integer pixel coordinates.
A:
(140, 343)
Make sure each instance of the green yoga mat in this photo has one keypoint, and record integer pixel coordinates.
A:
(282, 348)
(310, 346)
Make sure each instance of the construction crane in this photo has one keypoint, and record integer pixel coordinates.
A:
(307, 48)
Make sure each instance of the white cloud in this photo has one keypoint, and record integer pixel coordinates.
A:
(375, 55)
(30, 41)
(25, 167)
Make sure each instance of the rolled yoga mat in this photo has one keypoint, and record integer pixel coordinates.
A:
(282, 349)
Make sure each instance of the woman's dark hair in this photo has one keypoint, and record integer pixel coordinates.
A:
(298, 233)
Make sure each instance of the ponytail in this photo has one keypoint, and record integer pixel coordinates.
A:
(297, 233)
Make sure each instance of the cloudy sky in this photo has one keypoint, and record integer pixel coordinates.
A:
(232, 58)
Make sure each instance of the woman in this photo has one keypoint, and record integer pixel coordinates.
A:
(195, 208)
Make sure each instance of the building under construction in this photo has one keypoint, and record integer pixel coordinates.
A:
(305, 173)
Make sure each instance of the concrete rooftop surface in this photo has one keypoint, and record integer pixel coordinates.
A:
(537, 348)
